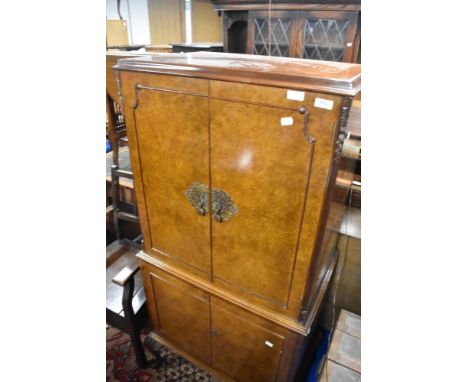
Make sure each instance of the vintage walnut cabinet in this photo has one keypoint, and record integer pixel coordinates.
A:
(235, 160)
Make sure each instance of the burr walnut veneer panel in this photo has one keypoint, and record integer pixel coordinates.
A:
(253, 157)
(173, 155)
(192, 310)
(255, 346)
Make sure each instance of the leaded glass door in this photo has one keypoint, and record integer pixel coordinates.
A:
(273, 34)
(327, 35)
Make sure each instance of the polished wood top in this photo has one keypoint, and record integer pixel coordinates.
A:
(295, 73)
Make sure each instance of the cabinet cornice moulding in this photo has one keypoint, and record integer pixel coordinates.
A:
(295, 73)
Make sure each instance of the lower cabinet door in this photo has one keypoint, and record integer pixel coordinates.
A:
(183, 314)
(245, 347)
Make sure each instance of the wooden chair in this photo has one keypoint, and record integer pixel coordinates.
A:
(116, 130)
(122, 210)
(125, 298)
(117, 134)
(126, 201)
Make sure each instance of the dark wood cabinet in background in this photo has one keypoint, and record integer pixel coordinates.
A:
(272, 34)
(327, 35)
(197, 47)
(318, 30)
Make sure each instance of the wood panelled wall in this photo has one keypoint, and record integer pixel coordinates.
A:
(116, 32)
(206, 24)
(167, 21)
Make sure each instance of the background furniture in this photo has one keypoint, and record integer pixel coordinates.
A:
(122, 210)
(163, 48)
(319, 30)
(126, 200)
(125, 298)
(124, 48)
(235, 173)
(116, 131)
(124, 164)
(198, 47)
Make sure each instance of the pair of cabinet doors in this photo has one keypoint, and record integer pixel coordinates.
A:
(316, 35)
(225, 184)
(242, 346)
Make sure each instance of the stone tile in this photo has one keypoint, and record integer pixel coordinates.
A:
(345, 350)
(333, 372)
(349, 323)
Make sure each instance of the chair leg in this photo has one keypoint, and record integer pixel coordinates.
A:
(143, 363)
(138, 348)
(132, 327)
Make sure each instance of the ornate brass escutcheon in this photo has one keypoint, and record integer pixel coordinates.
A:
(197, 194)
(222, 206)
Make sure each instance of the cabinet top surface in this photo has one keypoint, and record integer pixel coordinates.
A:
(322, 76)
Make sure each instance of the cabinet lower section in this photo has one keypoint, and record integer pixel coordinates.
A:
(222, 337)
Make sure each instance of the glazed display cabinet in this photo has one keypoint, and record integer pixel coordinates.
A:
(235, 160)
(327, 30)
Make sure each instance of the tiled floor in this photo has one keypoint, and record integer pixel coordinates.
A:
(343, 363)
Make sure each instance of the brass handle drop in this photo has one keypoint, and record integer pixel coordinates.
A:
(197, 194)
(201, 209)
(222, 206)
(218, 216)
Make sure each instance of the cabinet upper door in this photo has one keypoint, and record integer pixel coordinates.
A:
(272, 34)
(260, 163)
(172, 132)
(327, 35)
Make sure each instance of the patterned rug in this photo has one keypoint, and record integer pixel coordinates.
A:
(121, 364)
